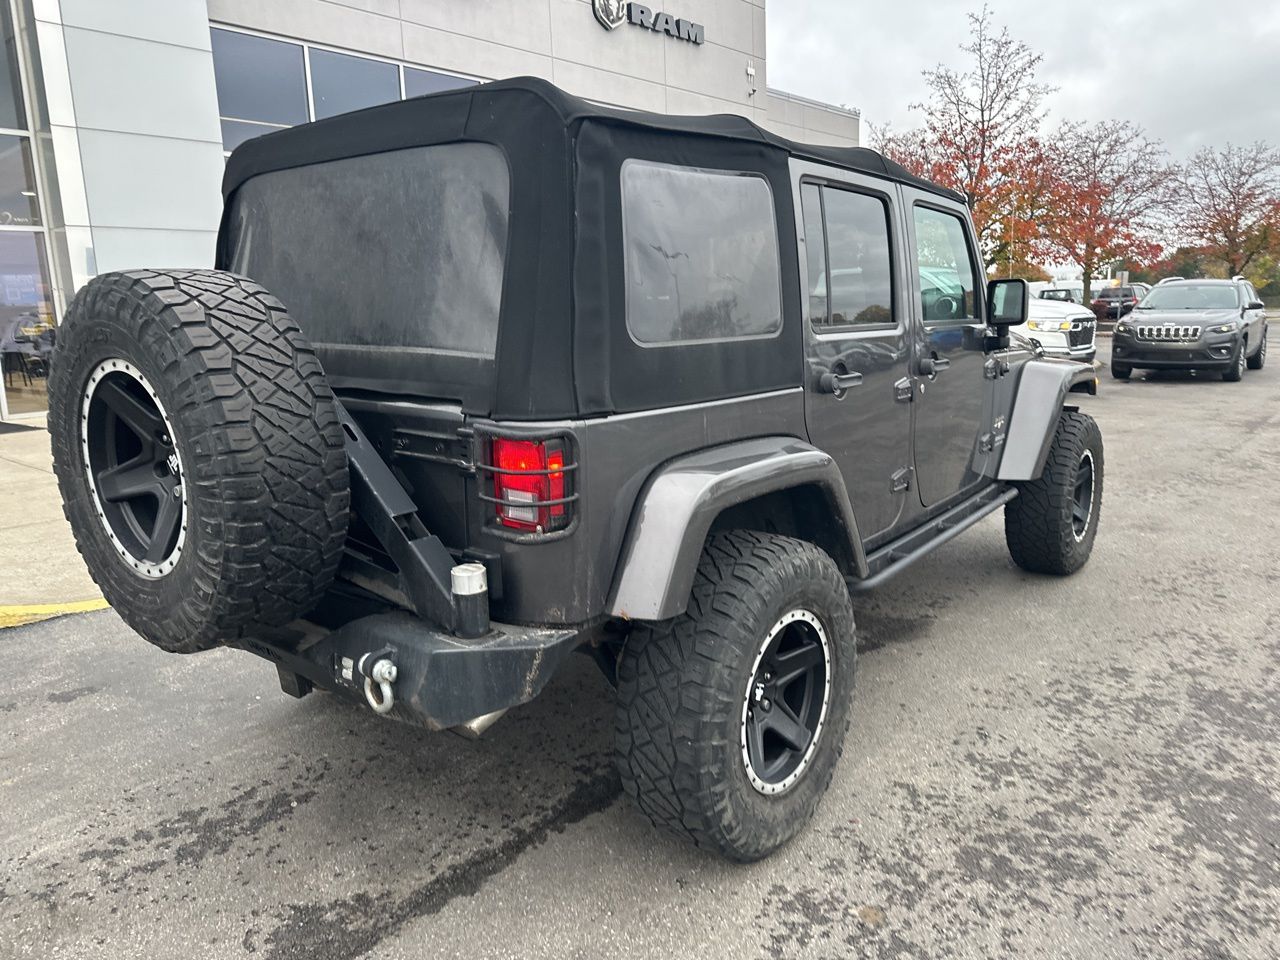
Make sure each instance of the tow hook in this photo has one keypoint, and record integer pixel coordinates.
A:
(379, 676)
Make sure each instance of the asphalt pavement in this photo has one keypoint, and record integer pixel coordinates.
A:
(1078, 768)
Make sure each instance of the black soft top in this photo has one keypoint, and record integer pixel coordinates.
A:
(563, 349)
(398, 125)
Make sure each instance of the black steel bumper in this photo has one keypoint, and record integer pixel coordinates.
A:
(1203, 354)
(441, 681)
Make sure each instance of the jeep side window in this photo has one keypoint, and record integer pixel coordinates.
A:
(702, 260)
(850, 272)
(815, 245)
(947, 278)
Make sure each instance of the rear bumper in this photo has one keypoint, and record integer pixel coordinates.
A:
(1212, 353)
(441, 680)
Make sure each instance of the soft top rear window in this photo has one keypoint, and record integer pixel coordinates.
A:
(404, 249)
(701, 250)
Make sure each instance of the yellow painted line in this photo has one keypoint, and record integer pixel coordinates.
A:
(22, 614)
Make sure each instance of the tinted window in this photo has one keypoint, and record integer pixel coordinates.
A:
(18, 205)
(701, 250)
(861, 290)
(947, 284)
(236, 132)
(341, 83)
(1192, 296)
(259, 79)
(418, 83)
(12, 112)
(815, 245)
(402, 249)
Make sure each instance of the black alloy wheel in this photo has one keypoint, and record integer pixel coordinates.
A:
(1082, 497)
(786, 702)
(134, 468)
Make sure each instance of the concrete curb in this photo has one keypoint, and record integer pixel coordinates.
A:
(20, 615)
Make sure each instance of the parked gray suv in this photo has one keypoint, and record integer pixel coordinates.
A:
(1218, 325)
(495, 375)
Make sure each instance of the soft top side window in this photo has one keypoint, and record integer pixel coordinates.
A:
(701, 254)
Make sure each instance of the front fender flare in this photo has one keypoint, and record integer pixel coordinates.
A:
(678, 504)
(1041, 394)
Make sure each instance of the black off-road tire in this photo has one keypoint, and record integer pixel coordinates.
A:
(681, 690)
(1235, 373)
(1042, 524)
(1259, 358)
(1120, 371)
(261, 461)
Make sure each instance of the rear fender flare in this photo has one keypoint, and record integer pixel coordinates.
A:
(1040, 398)
(682, 499)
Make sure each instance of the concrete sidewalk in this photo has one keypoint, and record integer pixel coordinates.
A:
(40, 571)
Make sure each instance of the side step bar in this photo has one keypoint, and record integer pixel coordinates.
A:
(896, 556)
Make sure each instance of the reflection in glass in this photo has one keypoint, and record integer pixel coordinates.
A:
(947, 281)
(18, 204)
(341, 83)
(418, 83)
(27, 333)
(858, 237)
(701, 254)
(259, 79)
(12, 112)
(236, 132)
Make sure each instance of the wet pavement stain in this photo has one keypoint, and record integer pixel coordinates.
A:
(344, 929)
(69, 696)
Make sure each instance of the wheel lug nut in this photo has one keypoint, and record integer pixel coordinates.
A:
(177, 493)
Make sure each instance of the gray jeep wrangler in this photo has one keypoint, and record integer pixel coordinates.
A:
(492, 376)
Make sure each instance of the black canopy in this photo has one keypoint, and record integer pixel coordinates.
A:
(562, 345)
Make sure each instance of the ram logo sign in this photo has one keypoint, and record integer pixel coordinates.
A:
(614, 13)
(611, 13)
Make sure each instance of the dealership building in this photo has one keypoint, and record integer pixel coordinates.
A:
(116, 116)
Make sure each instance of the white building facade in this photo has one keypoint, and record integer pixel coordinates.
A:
(116, 115)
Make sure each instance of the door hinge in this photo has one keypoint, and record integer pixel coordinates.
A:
(901, 480)
(904, 390)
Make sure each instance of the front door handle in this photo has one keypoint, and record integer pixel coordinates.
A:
(932, 366)
(839, 382)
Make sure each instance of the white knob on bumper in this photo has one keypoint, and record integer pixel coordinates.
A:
(468, 579)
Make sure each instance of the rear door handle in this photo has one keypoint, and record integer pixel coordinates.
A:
(932, 366)
(839, 382)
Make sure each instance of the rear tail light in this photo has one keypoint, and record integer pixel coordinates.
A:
(531, 487)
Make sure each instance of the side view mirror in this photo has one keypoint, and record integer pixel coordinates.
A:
(1008, 303)
(1257, 305)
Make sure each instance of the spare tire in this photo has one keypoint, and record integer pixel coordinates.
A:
(199, 453)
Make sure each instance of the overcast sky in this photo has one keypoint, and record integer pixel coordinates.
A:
(1192, 72)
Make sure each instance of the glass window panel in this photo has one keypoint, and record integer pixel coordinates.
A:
(341, 83)
(13, 113)
(418, 83)
(947, 282)
(815, 245)
(325, 238)
(236, 132)
(861, 275)
(259, 79)
(18, 203)
(27, 332)
(701, 251)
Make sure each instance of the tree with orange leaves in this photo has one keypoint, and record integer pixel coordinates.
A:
(979, 138)
(1111, 186)
(1229, 204)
